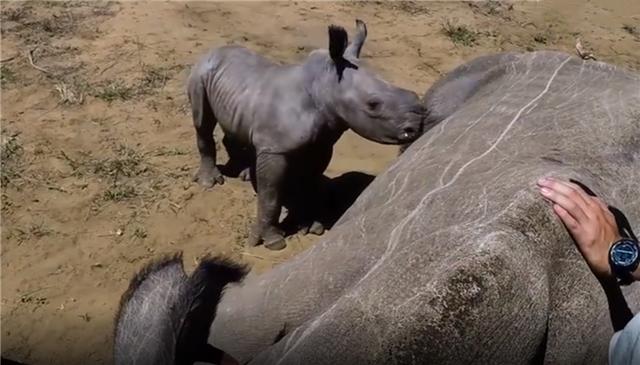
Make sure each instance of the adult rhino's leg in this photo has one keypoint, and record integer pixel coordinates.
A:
(241, 158)
(204, 122)
(269, 178)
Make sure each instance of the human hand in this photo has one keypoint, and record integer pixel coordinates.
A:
(587, 218)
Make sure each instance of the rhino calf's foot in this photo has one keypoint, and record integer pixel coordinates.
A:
(245, 175)
(272, 238)
(207, 177)
(315, 227)
(275, 243)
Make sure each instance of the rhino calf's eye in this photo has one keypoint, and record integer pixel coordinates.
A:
(373, 104)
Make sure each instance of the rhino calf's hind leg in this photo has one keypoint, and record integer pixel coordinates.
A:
(204, 122)
(269, 175)
(307, 190)
(306, 206)
(241, 158)
(315, 190)
(245, 175)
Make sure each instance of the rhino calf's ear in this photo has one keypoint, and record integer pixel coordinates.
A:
(356, 45)
(338, 41)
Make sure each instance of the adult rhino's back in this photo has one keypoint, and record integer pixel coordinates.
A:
(451, 256)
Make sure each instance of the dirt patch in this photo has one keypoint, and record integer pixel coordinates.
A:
(98, 147)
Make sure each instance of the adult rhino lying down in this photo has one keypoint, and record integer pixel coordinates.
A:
(451, 256)
(291, 116)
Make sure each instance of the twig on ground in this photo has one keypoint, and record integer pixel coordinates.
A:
(30, 58)
(8, 59)
(260, 257)
(108, 67)
(585, 55)
(174, 207)
(38, 182)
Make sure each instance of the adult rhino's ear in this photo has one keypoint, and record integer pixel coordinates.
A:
(353, 50)
(338, 41)
(150, 311)
(203, 291)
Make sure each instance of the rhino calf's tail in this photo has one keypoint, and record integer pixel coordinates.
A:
(164, 316)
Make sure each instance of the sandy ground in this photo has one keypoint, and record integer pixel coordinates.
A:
(98, 146)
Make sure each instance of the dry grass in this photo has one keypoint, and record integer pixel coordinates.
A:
(154, 77)
(70, 94)
(151, 80)
(459, 33)
(492, 8)
(540, 38)
(7, 75)
(139, 232)
(175, 151)
(42, 28)
(11, 153)
(123, 172)
(127, 163)
(114, 90)
(120, 192)
(33, 231)
(631, 29)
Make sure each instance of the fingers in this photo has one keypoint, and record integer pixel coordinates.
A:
(588, 218)
(601, 203)
(571, 223)
(568, 195)
(569, 189)
(568, 204)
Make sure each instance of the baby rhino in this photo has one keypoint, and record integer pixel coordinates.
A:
(290, 116)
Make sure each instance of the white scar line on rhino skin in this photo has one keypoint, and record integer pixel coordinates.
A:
(395, 192)
(441, 130)
(395, 236)
(395, 233)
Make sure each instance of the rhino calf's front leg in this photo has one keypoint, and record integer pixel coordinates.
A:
(270, 172)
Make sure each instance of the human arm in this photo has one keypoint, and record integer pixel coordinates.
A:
(594, 230)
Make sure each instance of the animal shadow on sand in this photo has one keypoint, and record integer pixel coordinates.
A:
(9, 362)
(340, 193)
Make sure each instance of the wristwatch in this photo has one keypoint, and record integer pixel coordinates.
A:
(624, 257)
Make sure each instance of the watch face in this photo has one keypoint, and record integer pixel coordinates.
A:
(624, 254)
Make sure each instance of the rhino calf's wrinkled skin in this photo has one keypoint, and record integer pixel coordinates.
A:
(290, 117)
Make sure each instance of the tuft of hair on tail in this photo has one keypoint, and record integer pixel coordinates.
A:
(205, 288)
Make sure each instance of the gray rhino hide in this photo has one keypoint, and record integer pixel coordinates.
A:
(451, 256)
